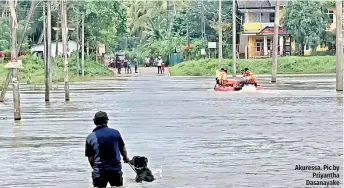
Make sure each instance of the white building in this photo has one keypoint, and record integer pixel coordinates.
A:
(37, 50)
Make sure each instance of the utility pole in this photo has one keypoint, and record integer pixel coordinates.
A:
(64, 31)
(339, 46)
(77, 46)
(15, 81)
(188, 34)
(49, 43)
(275, 44)
(97, 47)
(83, 43)
(169, 21)
(234, 39)
(88, 50)
(203, 23)
(47, 48)
(56, 49)
(45, 53)
(10, 71)
(220, 33)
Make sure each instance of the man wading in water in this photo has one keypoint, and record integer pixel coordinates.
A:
(103, 149)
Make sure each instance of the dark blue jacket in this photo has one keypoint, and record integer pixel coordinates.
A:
(104, 145)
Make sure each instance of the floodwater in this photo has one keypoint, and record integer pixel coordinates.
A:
(197, 137)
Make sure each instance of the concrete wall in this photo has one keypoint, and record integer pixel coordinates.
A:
(243, 43)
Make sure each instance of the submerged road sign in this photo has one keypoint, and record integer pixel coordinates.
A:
(14, 64)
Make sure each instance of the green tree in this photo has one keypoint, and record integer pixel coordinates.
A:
(104, 21)
(307, 22)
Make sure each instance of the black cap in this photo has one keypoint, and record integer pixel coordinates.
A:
(246, 69)
(222, 68)
(101, 114)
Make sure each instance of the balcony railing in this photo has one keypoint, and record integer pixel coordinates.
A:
(264, 25)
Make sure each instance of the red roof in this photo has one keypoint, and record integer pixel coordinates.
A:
(270, 31)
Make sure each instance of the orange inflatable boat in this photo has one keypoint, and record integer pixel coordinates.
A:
(236, 86)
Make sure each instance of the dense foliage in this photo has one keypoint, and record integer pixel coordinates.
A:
(307, 22)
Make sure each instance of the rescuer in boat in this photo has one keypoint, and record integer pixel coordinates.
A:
(243, 80)
(220, 76)
(248, 78)
(222, 79)
(242, 71)
(251, 79)
(226, 82)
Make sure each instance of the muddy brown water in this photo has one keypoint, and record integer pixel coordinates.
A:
(198, 137)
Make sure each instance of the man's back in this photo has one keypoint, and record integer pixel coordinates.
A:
(104, 147)
(104, 144)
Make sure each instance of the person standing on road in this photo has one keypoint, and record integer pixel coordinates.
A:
(118, 65)
(163, 68)
(159, 64)
(125, 65)
(129, 66)
(104, 147)
(147, 61)
(155, 62)
(136, 63)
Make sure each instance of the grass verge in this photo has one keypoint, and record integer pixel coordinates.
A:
(286, 65)
(33, 70)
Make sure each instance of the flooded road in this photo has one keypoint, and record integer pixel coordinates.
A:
(198, 137)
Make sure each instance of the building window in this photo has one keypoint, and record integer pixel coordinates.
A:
(256, 17)
(330, 13)
(272, 17)
(260, 45)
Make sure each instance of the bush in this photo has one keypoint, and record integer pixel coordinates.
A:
(291, 64)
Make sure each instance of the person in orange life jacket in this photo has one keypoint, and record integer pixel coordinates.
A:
(220, 77)
(225, 78)
(251, 79)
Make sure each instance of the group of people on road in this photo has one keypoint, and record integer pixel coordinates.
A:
(126, 64)
(247, 78)
(157, 62)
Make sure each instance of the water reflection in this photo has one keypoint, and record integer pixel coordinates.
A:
(18, 135)
(340, 98)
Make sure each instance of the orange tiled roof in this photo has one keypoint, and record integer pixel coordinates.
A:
(270, 31)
